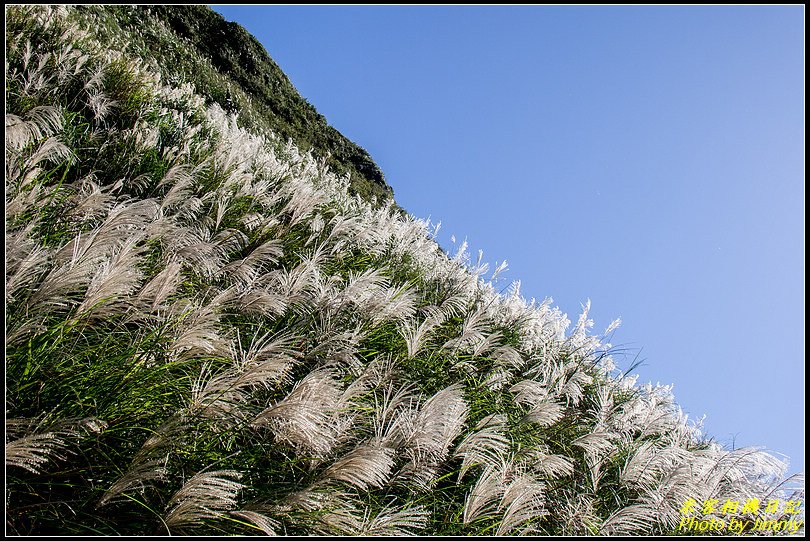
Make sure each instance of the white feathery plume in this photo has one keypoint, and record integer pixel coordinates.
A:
(571, 382)
(195, 248)
(453, 305)
(34, 451)
(366, 466)
(267, 360)
(490, 342)
(262, 522)
(596, 444)
(485, 495)
(523, 500)
(341, 517)
(259, 223)
(644, 466)
(161, 287)
(542, 409)
(245, 271)
(114, 282)
(342, 230)
(100, 104)
(391, 304)
(615, 324)
(223, 205)
(360, 288)
(305, 418)
(633, 519)
(472, 331)
(37, 123)
(578, 517)
(136, 478)
(426, 435)
(529, 392)
(197, 334)
(231, 241)
(545, 413)
(293, 283)
(551, 466)
(51, 150)
(651, 411)
(486, 446)
(262, 302)
(91, 201)
(507, 356)
(499, 269)
(498, 378)
(207, 495)
(124, 221)
(215, 396)
(416, 335)
(26, 262)
(180, 179)
(331, 341)
(439, 422)
(604, 408)
(395, 406)
(303, 200)
(64, 284)
(401, 522)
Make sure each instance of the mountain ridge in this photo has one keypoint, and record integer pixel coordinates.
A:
(251, 83)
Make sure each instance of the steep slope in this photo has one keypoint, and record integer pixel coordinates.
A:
(207, 333)
(229, 66)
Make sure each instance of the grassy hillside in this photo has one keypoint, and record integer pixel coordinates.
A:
(208, 333)
(227, 65)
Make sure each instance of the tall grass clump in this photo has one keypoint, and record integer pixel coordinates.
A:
(206, 334)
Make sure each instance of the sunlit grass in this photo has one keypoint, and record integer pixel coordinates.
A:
(206, 333)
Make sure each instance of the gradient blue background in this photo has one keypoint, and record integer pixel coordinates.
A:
(648, 158)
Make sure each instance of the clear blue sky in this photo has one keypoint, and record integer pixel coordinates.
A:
(648, 158)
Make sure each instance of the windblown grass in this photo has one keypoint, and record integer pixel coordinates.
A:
(205, 333)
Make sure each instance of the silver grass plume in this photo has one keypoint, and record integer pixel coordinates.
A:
(206, 496)
(426, 435)
(484, 497)
(197, 333)
(38, 123)
(163, 285)
(543, 410)
(395, 522)
(344, 518)
(368, 465)
(26, 262)
(34, 451)
(33, 448)
(486, 446)
(114, 282)
(523, 500)
(77, 261)
(416, 335)
(258, 520)
(305, 418)
(547, 464)
(136, 478)
(597, 446)
(649, 462)
(245, 271)
(91, 200)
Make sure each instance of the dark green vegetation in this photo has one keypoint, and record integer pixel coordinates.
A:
(227, 65)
